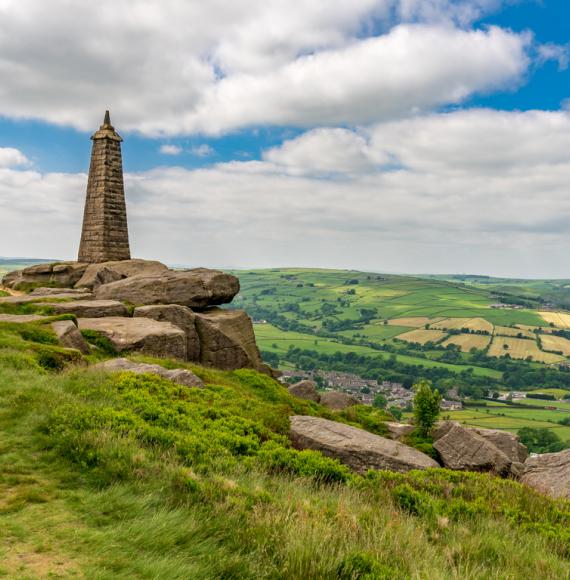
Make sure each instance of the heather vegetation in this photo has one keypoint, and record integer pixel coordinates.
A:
(132, 476)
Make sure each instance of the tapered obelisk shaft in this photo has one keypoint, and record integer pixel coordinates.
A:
(105, 234)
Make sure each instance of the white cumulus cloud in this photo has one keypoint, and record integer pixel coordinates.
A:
(186, 66)
(470, 191)
(170, 149)
(10, 157)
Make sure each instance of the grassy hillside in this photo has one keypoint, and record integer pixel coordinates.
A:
(553, 291)
(433, 320)
(125, 476)
(392, 296)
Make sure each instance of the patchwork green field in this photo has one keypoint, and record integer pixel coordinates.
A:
(391, 296)
(272, 339)
(512, 419)
(360, 308)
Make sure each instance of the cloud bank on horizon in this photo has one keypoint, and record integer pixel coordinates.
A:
(384, 158)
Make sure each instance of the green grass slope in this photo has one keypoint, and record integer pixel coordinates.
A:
(126, 476)
(392, 296)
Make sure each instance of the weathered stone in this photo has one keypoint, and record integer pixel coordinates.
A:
(89, 308)
(305, 390)
(160, 339)
(398, 430)
(46, 292)
(549, 473)
(355, 447)
(227, 340)
(442, 428)
(11, 278)
(338, 401)
(508, 443)
(107, 272)
(28, 298)
(180, 316)
(181, 376)
(464, 450)
(105, 233)
(193, 288)
(63, 274)
(69, 336)
(20, 318)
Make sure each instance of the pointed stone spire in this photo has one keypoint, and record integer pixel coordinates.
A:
(105, 234)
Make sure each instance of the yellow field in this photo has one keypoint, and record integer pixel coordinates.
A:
(508, 331)
(470, 323)
(422, 336)
(521, 348)
(556, 343)
(545, 329)
(413, 321)
(468, 341)
(559, 319)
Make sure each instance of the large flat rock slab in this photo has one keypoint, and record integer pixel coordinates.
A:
(549, 473)
(180, 376)
(89, 308)
(160, 339)
(355, 447)
(20, 318)
(227, 340)
(29, 298)
(197, 288)
(47, 292)
(96, 275)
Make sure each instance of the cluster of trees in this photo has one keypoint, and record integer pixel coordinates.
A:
(542, 396)
(541, 440)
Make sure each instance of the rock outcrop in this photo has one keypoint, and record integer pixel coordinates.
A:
(180, 316)
(197, 288)
(69, 336)
(549, 473)
(465, 450)
(64, 274)
(355, 447)
(219, 338)
(338, 401)
(305, 390)
(96, 275)
(160, 339)
(89, 308)
(180, 376)
(227, 340)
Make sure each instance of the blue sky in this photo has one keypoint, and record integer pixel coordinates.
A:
(270, 138)
(54, 148)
